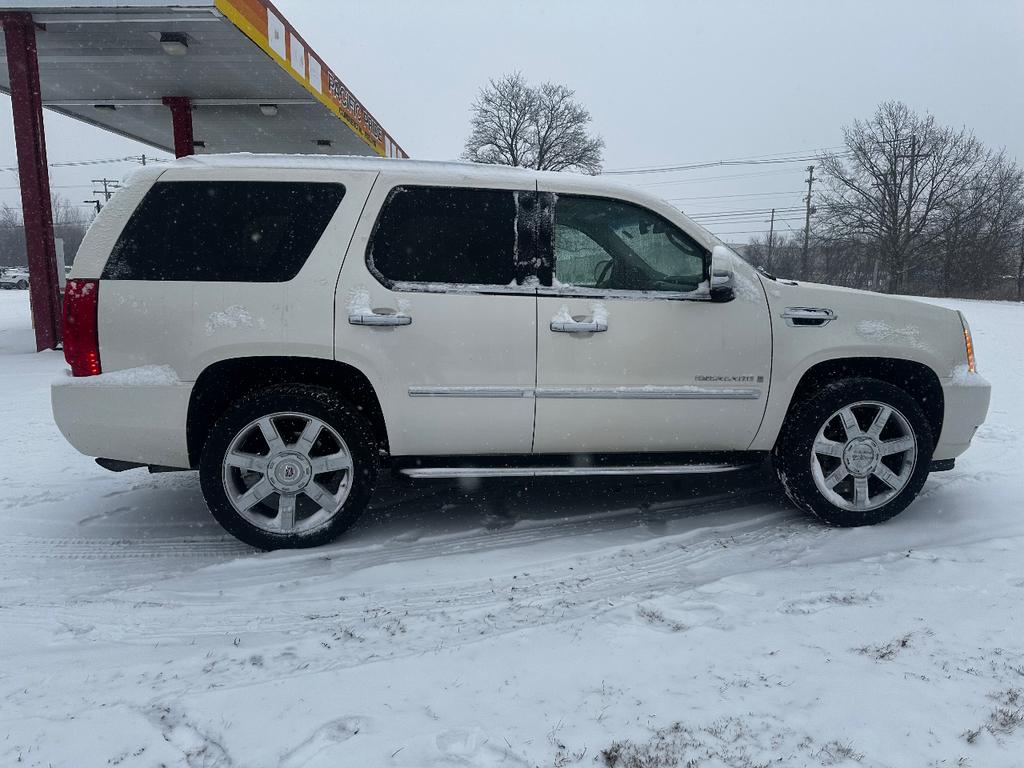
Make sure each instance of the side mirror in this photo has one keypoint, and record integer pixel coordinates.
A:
(721, 285)
(720, 294)
(721, 275)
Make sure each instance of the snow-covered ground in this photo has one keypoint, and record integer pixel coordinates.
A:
(549, 624)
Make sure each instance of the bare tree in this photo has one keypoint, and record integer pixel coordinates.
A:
(541, 127)
(899, 170)
(69, 223)
(1020, 269)
(978, 228)
(12, 237)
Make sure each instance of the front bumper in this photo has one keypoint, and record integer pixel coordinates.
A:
(966, 405)
(144, 423)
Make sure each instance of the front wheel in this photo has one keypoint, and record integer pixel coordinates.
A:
(291, 466)
(855, 453)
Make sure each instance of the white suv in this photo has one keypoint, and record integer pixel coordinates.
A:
(289, 326)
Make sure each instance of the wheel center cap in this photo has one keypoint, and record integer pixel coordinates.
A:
(289, 472)
(860, 456)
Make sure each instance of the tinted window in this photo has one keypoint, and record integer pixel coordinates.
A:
(445, 235)
(240, 231)
(613, 245)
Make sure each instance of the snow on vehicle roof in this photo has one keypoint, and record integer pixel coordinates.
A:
(467, 170)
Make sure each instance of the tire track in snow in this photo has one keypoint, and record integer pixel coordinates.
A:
(247, 596)
(412, 620)
(64, 548)
(499, 603)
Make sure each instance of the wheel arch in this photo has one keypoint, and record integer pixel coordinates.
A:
(915, 378)
(224, 382)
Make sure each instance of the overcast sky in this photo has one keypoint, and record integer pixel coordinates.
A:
(667, 82)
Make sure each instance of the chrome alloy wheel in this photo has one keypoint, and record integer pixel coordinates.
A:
(287, 473)
(863, 455)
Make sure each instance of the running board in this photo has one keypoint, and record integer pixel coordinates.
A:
(436, 473)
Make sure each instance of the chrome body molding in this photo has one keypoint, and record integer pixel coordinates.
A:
(650, 393)
(595, 393)
(470, 391)
(439, 473)
(808, 317)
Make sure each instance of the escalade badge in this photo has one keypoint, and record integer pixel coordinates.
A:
(730, 379)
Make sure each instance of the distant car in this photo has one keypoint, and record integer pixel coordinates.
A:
(289, 326)
(13, 277)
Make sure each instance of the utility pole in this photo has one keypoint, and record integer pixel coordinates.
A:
(96, 202)
(109, 187)
(913, 157)
(910, 186)
(804, 265)
(771, 240)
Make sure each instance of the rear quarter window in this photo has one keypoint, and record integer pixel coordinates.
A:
(223, 231)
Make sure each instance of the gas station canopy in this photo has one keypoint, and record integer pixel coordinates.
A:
(190, 76)
(251, 81)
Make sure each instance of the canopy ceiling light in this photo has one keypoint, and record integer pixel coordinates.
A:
(174, 43)
(268, 109)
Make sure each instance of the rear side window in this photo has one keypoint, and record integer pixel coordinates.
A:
(223, 231)
(445, 235)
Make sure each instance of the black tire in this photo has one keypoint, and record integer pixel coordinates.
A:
(317, 402)
(21, 285)
(792, 457)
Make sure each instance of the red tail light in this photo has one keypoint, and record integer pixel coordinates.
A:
(81, 338)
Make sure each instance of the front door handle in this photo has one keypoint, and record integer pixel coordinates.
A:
(576, 326)
(378, 318)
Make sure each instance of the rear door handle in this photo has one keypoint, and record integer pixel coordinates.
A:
(575, 326)
(378, 319)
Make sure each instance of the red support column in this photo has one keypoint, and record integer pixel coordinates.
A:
(30, 139)
(181, 122)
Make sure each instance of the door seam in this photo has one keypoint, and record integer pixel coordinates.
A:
(536, 327)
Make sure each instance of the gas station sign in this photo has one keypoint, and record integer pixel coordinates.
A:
(260, 21)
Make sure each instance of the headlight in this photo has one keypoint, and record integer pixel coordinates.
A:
(968, 344)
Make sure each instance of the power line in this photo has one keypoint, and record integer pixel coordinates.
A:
(781, 213)
(739, 232)
(796, 156)
(53, 186)
(745, 194)
(764, 210)
(759, 218)
(716, 178)
(105, 161)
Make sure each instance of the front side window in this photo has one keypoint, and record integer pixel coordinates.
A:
(234, 231)
(445, 235)
(612, 245)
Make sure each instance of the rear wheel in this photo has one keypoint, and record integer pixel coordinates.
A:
(855, 453)
(292, 466)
